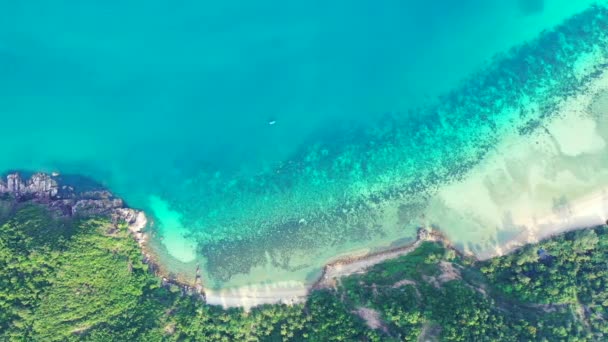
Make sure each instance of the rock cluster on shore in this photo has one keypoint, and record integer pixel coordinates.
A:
(67, 200)
(40, 186)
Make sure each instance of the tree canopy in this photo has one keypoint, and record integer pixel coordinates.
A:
(84, 279)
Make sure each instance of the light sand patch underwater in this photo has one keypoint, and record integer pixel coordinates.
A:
(173, 232)
(535, 186)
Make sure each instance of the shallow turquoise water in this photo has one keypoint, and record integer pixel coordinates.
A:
(169, 104)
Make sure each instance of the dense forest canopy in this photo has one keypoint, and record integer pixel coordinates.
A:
(84, 279)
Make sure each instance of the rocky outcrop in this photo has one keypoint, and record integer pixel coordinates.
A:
(68, 200)
(40, 185)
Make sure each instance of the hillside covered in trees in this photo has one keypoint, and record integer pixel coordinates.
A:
(84, 279)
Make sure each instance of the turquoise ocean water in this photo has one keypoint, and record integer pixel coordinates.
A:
(169, 104)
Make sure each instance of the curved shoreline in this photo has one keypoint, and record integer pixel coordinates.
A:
(66, 201)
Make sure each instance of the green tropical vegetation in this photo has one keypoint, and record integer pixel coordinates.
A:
(84, 279)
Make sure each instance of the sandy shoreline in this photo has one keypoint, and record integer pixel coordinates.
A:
(250, 296)
(588, 211)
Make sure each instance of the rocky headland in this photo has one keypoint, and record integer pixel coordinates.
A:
(69, 201)
(75, 196)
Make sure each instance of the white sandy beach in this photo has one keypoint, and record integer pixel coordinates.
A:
(250, 296)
